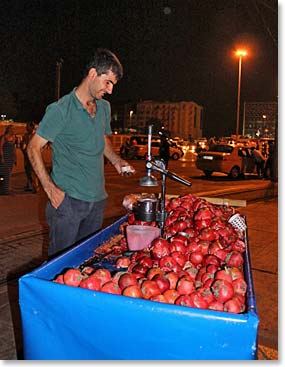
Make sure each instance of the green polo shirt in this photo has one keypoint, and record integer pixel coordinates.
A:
(77, 146)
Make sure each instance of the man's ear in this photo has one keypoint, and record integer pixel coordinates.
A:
(92, 73)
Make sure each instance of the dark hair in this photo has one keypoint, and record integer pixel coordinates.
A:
(30, 124)
(8, 129)
(103, 61)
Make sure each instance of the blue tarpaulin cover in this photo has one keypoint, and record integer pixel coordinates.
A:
(67, 323)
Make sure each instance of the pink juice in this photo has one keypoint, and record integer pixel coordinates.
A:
(139, 237)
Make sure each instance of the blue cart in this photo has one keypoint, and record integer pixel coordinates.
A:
(67, 323)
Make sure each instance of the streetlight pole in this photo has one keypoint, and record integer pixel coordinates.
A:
(243, 120)
(240, 54)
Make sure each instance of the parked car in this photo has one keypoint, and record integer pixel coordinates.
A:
(174, 145)
(139, 148)
(203, 143)
(225, 158)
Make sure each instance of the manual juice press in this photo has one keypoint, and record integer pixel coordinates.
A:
(153, 209)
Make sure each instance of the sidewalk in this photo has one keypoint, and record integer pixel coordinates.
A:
(24, 249)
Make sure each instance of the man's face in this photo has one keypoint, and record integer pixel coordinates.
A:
(102, 84)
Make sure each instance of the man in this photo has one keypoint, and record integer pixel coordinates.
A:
(30, 131)
(268, 169)
(77, 126)
(212, 143)
(259, 161)
(124, 150)
(164, 150)
(7, 159)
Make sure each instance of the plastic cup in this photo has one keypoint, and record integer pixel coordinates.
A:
(139, 237)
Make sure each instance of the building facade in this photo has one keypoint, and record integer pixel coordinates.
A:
(260, 119)
(182, 119)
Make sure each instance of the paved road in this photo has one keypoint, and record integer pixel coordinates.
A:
(27, 211)
(24, 238)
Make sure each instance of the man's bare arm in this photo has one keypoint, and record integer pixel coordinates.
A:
(122, 166)
(54, 193)
(110, 153)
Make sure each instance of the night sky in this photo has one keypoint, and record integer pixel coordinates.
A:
(171, 50)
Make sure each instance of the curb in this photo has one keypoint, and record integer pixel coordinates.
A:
(267, 191)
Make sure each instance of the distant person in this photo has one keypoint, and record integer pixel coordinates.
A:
(268, 169)
(30, 131)
(125, 148)
(133, 149)
(198, 148)
(164, 150)
(212, 142)
(264, 149)
(7, 158)
(78, 126)
(246, 159)
(259, 161)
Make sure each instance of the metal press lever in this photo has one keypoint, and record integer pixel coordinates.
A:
(149, 180)
(154, 166)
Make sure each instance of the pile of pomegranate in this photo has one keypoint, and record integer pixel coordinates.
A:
(198, 263)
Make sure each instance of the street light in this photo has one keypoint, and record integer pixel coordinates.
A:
(240, 54)
(131, 115)
(264, 128)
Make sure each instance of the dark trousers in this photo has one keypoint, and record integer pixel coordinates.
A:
(259, 168)
(165, 160)
(5, 175)
(268, 169)
(72, 221)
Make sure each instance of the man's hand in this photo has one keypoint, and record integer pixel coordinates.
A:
(117, 161)
(124, 168)
(127, 170)
(54, 193)
(56, 196)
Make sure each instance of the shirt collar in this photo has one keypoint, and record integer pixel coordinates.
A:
(78, 103)
(76, 100)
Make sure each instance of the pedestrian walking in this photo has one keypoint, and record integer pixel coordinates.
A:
(30, 131)
(212, 142)
(125, 148)
(133, 149)
(259, 161)
(7, 158)
(268, 169)
(247, 164)
(78, 126)
(164, 150)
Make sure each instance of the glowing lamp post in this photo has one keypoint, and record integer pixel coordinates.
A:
(240, 54)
